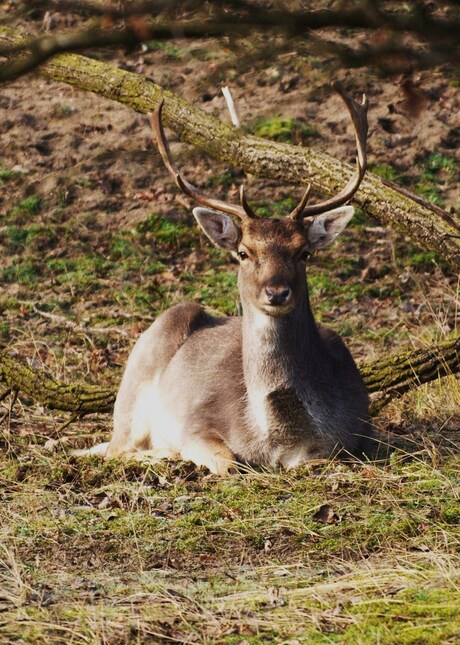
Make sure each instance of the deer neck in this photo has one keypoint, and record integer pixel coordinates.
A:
(280, 354)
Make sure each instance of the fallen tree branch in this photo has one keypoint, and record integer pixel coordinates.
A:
(254, 155)
(390, 377)
(394, 376)
(39, 386)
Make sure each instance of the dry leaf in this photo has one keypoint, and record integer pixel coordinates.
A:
(326, 515)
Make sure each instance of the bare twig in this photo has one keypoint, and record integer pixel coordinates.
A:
(231, 106)
(423, 202)
(62, 320)
(73, 417)
(14, 396)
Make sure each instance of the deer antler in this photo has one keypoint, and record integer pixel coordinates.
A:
(358, 113)
(243, 212)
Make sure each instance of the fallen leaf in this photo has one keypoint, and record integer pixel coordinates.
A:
(326, 515)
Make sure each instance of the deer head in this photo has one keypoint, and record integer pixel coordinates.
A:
(273, 252)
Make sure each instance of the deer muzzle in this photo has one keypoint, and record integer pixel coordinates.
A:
(278, 296)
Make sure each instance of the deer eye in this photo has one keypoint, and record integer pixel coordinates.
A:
(242, 255)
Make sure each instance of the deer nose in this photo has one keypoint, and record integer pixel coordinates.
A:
(278, 295)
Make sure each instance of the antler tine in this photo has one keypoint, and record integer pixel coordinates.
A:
(244, 203)
(297, 213)
(358, 113)
(232, 209)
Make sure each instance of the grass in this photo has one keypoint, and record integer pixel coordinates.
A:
(34, 237)
(431, 173)
(27, 206)
(436, 168)
(386, 171)
(7, 174)
(25, 273)
(116, 552)
(287, 130)
(247, 608)
(170, 51)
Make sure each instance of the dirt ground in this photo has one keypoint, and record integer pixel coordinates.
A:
(95, 241)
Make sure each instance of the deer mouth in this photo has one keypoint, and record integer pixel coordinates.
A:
(277, 310)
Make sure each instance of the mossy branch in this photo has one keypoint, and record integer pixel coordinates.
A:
(36, 384)
(390, 377)
(394, 376)
(417, 219)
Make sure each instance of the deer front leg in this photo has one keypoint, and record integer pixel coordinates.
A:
(211, 452)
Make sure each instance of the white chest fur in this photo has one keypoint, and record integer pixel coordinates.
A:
(258, 369)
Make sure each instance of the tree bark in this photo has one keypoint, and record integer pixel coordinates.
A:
(37, 385)
(390, 377)
(417, 219)
(402, 372)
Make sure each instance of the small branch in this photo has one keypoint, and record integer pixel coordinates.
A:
(231, 106)
(423, 202)
(73, 417)
(13, 399)
(62, 320)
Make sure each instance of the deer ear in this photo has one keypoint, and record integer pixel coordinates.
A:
(323, 229)
(219, 228)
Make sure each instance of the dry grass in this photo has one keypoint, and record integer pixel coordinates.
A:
(117, 553)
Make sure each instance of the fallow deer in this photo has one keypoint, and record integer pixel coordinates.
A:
(271, 387)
